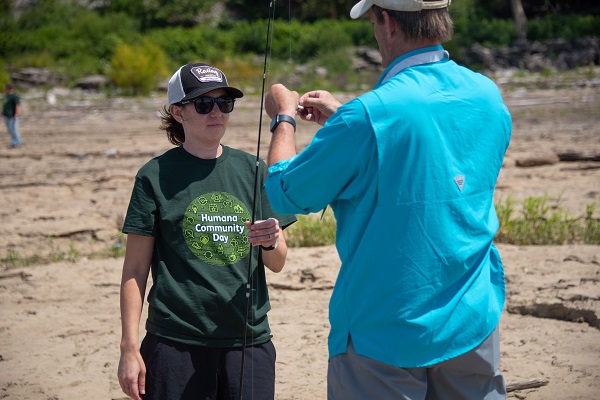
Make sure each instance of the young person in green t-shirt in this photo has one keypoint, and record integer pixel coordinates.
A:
(189, 224)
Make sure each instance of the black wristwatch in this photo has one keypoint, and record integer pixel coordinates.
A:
(271, 247)
(282, 118)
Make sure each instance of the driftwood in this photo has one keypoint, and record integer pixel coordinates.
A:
(576, 156)
(535, 161)
(549, 159)
(581, 168)
(528, 384)
(12, 274)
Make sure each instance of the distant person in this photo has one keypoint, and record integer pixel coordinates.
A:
(409, 169)
(11, 110)
(189, 224)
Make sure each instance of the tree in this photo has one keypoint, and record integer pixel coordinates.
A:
(520, 20)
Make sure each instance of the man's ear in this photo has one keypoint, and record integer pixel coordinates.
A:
(391, 26)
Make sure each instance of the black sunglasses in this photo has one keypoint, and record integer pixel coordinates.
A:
(205, 104)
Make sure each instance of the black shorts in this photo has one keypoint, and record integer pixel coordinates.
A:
(176, 371)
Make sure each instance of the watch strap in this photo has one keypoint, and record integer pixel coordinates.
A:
(279, 118)
(271, 247)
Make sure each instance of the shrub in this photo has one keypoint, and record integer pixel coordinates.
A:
(360, 32)
(184, 45)
(337, 63)
(538, 223)
(543, 224)
(320, 38)
(250, 36)
(491, 33)
(242, 72)
(74, 40)
(70, 38)
(591, 230)
(4, 75)
(138, 68)
(563, 26)
(118, 247)
(310, 230)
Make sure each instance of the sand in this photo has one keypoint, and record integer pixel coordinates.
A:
(65, 192)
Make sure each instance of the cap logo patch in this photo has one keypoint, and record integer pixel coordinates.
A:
(207, 74)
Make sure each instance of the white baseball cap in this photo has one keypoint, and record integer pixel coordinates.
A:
(397, 5)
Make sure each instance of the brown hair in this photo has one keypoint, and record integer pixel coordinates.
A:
(174, 129)
(426, 24)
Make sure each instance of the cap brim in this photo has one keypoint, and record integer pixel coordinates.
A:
(231, 92)
(360, 8)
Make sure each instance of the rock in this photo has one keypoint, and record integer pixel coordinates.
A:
(481, 55)
(555, 54)
(92, 82)
(163, 85)
(51, 98)
(367, 57)
(28, 78)
(539, 160)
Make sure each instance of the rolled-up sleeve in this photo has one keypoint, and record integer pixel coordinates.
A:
(275, 192)
(323, 171)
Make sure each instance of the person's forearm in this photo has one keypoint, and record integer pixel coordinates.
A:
(136, 268)
(283, 144)
(132, 293)
(275, 259)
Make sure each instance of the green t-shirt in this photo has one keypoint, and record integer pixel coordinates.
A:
(9, 105)
(196, 209)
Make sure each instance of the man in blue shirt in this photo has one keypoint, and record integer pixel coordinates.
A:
(409, 170)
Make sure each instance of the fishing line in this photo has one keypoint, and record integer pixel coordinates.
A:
(248, 285)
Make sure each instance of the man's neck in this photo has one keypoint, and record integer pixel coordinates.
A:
(402, 47)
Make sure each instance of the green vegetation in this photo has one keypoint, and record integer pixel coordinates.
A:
(118, 248)
(14, 259)
(538, 223)
(54, 253)
(312, 230)
(137, 43)
(541, 223)
(138, 68)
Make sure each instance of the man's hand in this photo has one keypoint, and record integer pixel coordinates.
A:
(281, 100)
(318, 105)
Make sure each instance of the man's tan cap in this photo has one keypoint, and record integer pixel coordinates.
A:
(397, 5)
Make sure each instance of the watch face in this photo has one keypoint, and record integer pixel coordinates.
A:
(274, 123)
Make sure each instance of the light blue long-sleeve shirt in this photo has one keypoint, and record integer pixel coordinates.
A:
(409, 170)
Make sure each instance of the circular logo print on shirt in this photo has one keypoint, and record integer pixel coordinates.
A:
(214, 229)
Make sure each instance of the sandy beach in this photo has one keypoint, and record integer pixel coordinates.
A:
(64, 195)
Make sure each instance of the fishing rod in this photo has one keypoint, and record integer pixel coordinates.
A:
(262, 101)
